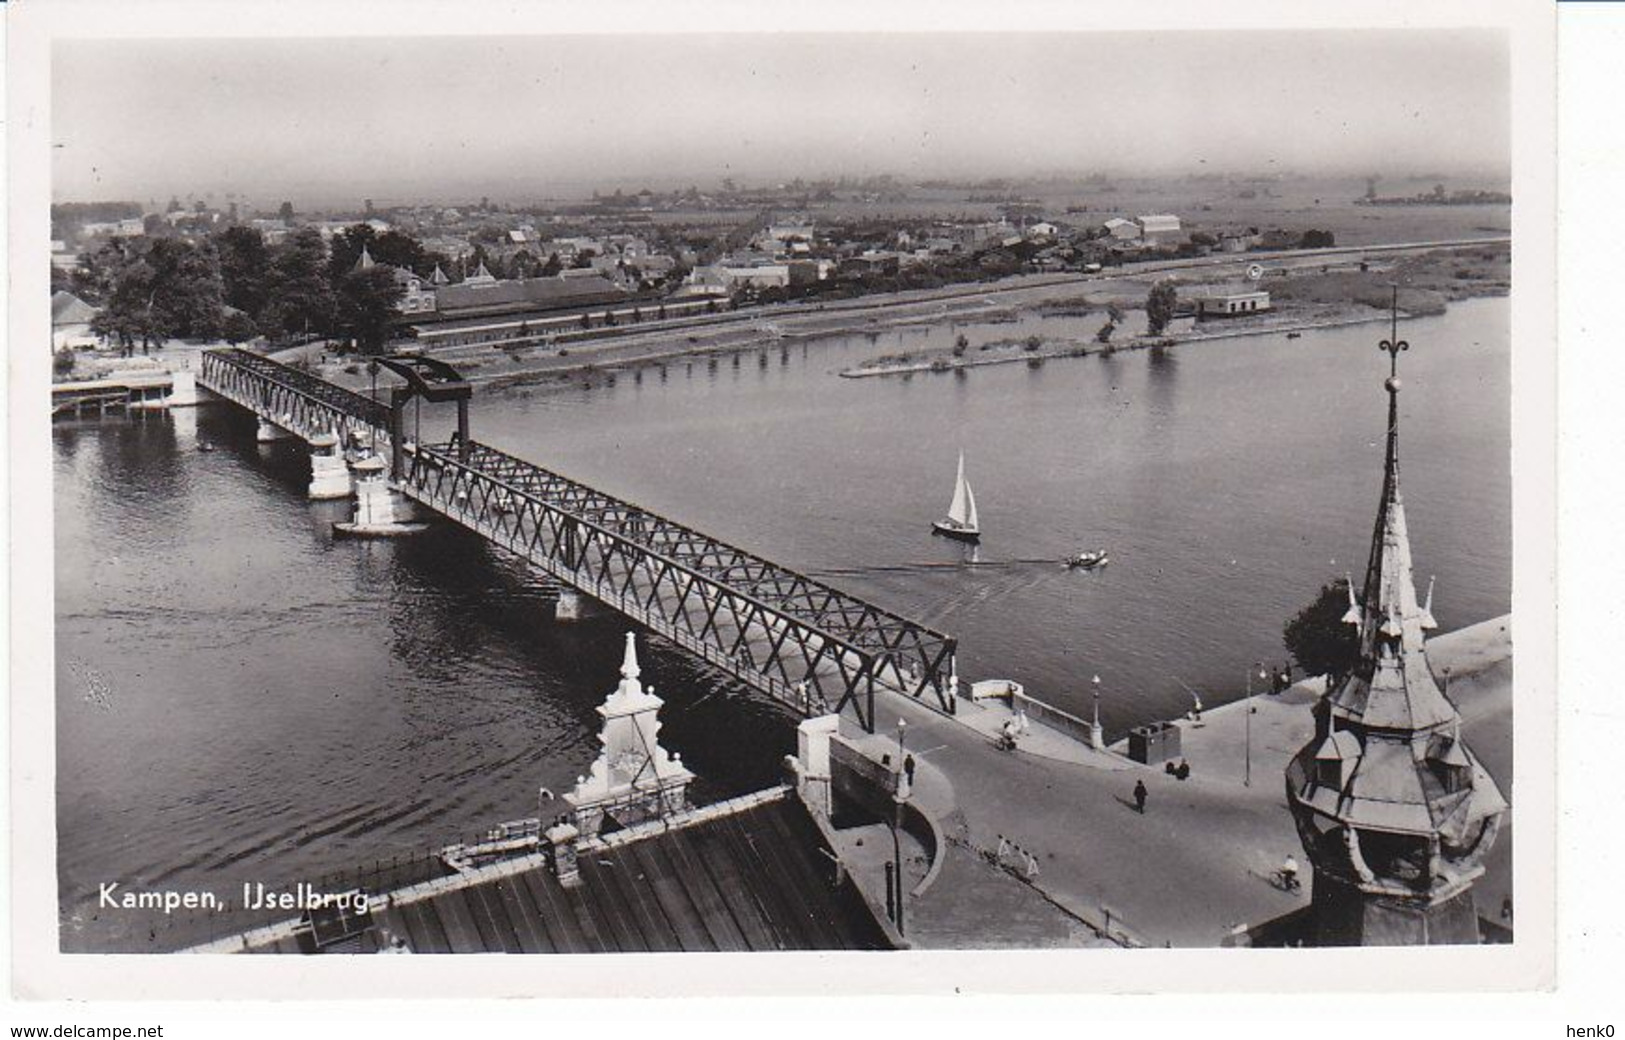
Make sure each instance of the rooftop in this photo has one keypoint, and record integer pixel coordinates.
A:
(755, 878)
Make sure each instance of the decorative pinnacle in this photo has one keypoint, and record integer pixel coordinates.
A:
(1393, 344)
(629, 664)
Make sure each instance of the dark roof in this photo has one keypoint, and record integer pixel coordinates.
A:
(755, 879)
(452, 301)
(68, 309)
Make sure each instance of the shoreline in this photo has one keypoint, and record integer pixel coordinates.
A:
(941, 364)
(735, 332)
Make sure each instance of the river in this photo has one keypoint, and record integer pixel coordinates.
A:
(242, 698)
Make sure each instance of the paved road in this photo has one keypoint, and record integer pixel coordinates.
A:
(1198, 861)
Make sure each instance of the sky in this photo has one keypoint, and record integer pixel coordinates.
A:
(330, 121)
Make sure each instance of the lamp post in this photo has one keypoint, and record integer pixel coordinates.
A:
(1247, 777)
(1097, 737)
(899, 795)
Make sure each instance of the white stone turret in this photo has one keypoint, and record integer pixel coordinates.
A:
(634, 778)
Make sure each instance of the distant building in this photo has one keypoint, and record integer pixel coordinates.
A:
(1160, 229)
(1231, 304)
(127, 228)
(70, 322)
(572, 289)
(1122, 230)
(416, 297)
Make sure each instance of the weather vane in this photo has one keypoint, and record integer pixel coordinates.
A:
(1393, 344)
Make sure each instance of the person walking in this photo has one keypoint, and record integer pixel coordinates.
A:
(1139, 796)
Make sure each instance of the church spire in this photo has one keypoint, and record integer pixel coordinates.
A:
(1391, 687)
(1392, 807)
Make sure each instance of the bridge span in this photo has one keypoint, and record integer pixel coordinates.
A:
(806, 644)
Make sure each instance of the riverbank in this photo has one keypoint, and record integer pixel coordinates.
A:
(1041, 351)
(1301, 300)
(539, 367)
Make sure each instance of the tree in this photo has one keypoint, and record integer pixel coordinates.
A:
(299, 296)
(398, 249)
(152, 289)
(245, 268)
(1159, 306)
(366, 306)
(237, 328)
(285, 211)
(1319, 640)
(346, 251)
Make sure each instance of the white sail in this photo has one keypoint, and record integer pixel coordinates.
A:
(962, 510)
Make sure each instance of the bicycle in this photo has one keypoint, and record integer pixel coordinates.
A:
(1284, 881)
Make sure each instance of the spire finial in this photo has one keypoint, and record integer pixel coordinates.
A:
(629, 663)
(1393, 344)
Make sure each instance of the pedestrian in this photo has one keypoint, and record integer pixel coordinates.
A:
(908, 769)
(1139, 796)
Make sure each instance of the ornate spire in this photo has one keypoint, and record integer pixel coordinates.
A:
(634, 777)
(1393, 808)
(1391, 687)
(629, 661)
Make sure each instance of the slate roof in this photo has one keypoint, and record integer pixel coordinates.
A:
(68, 309)
(751, 880)
(452, 301)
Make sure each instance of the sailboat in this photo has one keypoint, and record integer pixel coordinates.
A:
(961, 520)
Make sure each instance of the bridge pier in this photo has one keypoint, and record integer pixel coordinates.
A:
(183, 389)
(575, 606)
(380, 510)
(269, 432)
(329, 473)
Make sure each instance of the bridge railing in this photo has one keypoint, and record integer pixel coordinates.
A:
(802, 642)
(293, 399)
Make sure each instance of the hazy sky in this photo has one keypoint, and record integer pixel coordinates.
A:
(335, 120)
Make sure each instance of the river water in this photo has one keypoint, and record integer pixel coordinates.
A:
(242, 698)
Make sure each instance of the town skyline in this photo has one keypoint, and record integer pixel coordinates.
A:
(236, 119)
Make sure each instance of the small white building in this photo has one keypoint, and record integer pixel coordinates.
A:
(1225, 304)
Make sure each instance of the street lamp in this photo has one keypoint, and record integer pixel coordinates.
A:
(1247, 777)
(1097, 738)
(899, 795)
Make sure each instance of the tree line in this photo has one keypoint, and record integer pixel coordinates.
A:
(235, 286)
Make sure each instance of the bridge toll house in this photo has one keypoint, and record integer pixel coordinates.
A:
(1394, 810)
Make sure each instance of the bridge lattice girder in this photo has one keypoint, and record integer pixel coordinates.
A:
(295, 400)
(802, 642)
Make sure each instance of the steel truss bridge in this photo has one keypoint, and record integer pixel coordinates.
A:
(805, 644)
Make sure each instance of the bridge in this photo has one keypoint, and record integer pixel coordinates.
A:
(807, 645)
